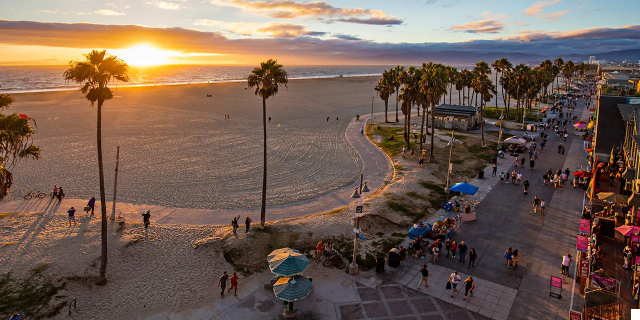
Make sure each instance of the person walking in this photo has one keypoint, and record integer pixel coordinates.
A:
(495, 170)
(506, 178)
(525, 184)
(522, 160)
(536, 203)
(454, 279)
(328, 248)
(92, 204)
(566, 261)
(146, 218)
(542, 207)
(462, 249)
(501, 177)
(72, 216)
(412, 152)
(222, 283)
(436, 253)
(469, 285)
(516, 258)
(60, 194)
(425, 276)
(247, 223)
(515, 162)
(509, 256)
(472, 258)
(454, 248)
(447, 246)
(234, 224)
(234, 284)
(319, 250)
(532, 163)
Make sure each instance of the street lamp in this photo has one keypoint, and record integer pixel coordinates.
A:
(500, 134)
(446, 185)
(353, 267)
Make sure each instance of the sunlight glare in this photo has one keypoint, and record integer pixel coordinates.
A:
(144, 55)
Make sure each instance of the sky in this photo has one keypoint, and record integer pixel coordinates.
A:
(52, 32)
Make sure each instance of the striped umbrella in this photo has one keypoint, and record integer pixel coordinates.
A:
(292, 288)
(287, 262)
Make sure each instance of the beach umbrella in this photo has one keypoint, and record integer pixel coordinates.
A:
(292, 288)
(544, 109)
(464, 187)
(612, 197)
(287, 262)
(583, 174)
(515, 140)
(628, 230)
(580, 125)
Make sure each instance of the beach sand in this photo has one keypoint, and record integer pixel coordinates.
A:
(177, 149)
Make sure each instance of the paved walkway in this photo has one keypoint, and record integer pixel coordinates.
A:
(377, 169)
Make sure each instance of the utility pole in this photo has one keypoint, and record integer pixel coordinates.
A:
(115, 184)
(353, 267)
(446, 186)
(500, 134)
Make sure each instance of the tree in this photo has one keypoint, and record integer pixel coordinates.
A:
(16, 142)
(433, 85)
(95, 73)
(410, 79)
(482, 69)
(501, 65)
(267, 79)
(558, 64)
(394, 76)
(567, 73)
(385, 89)
(452, 77)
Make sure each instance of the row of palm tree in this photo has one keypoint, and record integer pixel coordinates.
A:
(521, 83)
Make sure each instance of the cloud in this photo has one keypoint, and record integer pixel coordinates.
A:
(273, 29)
(321, 10)
(49, 11)
(107, 12)
(536, 8)
(165, 4)
(484, 26)
(494, 16)
(306, 49)
(554, 16)
(346, 37)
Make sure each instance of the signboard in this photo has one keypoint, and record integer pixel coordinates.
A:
(603, 282)
(575, 315)
(635, 239)
(359, 209)
(583, 268)
(582, 243)
(637, 260)
(585, 226)
(556, 282)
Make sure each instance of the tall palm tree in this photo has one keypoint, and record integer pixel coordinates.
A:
(482, 69)
(452, 76)
(385, 89)
(267, 79)
(567, 73)
(16, 142)
(558, 64)
(395, 74)
(410, 79)
(433, 85)
(95, 73)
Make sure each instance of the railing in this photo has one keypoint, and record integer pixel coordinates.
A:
(612, 311)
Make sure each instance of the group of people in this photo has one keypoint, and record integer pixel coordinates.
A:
(515, 177)
(323, 249)
(58, 192)
(557, 178)
(235, 225)
(513, 258)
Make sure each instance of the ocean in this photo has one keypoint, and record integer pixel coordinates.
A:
(49, 78)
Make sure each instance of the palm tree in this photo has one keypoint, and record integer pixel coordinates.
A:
(95, 73)
(385, 89)
(567, 73)
(482, 69)
(16, 142)
(267, 79)
(395, 74)
(558, 64)
(452, 76)
(433, 85)
(410, 79)
(465, 79)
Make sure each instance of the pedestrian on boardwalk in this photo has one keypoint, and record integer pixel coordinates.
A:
(545, 177)
(515, 162)
(72, 216)
(566, 261)
(420, 162)
(234, 284)
(506, 178)
(509, 256)
(327, 119)
(518, 176)
(495, 170)
(522, 161)
(412, 152)
(463, 251)
(447, 246)
(319, 250)
(468, 287)
(501, 177)
(542, 207)
(436, 253)
(559, 148)
(222, 283)
(516, 258)
(532, 163)
(454, 248)
(247, 223)
(563, 149)
(146, 218)
(472, 258)
(425, 276)
(454, 279)
(92, 204)
(536, 203)
(525, 184)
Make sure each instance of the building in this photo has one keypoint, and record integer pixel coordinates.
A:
(592, 59)
(456, 117)
(609, 133)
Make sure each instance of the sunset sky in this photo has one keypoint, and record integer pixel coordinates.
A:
(52, 32)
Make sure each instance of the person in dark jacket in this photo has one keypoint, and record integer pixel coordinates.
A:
(92, 204)
(146, 218)
(472, 258)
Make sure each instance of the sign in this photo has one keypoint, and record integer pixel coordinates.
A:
(583, 268)
(575, 315)
(359, 209)
(356, 230)
(582, 243)
(635, 239)
(585, 226)
(603, 282)
(556, 282)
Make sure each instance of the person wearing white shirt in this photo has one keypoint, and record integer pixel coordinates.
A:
(454, 278)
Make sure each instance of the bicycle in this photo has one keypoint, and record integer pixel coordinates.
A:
(34, 194)
(334, 259)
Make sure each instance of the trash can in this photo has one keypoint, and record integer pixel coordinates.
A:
(481, 174)
(380, 264)
(394, 258)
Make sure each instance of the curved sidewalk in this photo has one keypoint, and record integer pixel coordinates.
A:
(377, 169)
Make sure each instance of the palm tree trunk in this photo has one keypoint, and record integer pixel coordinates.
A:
(481, 123)
(496, 93)
(386, 109)
(459, 98)
(433, 123)
(397, 99)
(450, 89)
(263, 207)
(424, 113)
(103, 203)
(409, 125)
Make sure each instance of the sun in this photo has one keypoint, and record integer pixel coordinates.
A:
(144, 55)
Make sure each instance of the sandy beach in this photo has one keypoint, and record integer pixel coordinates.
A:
(177, 150)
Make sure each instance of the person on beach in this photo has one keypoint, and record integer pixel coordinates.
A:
(501, 177)
(247, 223)
(60, 194)
(462, 249)
(454, 279)
(234, 224)
(516, 259)
(234, 284)
(495, 170)
(72, 216)
(336, 119)
(319, 250)
(536, 203)
(509, 256)
(472, 258)
(327, 119)
(425, 276)
(55, 191)
(92, 204)
(146, 218)
(468, 287)
(222, 283)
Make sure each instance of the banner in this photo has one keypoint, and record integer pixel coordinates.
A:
(585, 226)
(583, 268)
(635, 239)
(603, 282)
(582, 243)
(575, 315)
(556, 282)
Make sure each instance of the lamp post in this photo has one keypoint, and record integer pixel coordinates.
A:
(500, 133)
(353, 267)
(446, 185)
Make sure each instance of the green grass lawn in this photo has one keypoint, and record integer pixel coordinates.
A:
(390, 147)
(505, 135)
(491, 113)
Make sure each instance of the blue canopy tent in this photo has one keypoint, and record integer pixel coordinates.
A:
(465, 188)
